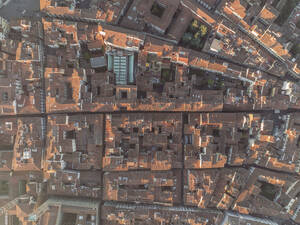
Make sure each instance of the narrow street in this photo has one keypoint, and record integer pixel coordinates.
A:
(30, 9)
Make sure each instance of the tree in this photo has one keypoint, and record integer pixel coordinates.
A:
(221, 84)
(187, 37)
(286, 11)
(165, 75)
(196, 43)
(197, 35)
(86, 55)
(203, 30)
(194, 26)
(210, 82)
(295, 49)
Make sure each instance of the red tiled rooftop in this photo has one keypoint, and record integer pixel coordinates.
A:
(235, 8)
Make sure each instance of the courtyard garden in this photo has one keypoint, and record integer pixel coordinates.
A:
(286, 11)
(195, 35)
(157, 10)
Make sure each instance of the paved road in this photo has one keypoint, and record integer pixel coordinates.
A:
(20, 8)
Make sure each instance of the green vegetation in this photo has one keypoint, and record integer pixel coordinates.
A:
(286, 11)
(215, 84)
(194, 26)
(295, 49)
(187, 37)
(166, 75)
(151, 57)
(87, 55)
(198, 72)
(196, 43)
(221, 85)
(198, 29)
(195, 35)
(3, 187)
(203, 30)
(206, 80)
(207, 83)
(210, 82)
(268, 190)
(69, 218)
(157, 10)
(22, 187)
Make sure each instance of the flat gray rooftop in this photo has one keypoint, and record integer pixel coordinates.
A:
(16, 9)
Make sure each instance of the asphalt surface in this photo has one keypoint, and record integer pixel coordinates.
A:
(17, 9)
